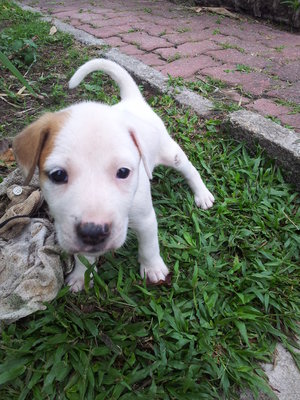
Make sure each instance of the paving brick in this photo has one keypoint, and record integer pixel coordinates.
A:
(75, 22)
(187, 67)
(287, 72)
(100, 21)
(152, 29)
(131, 50)
(258, 28)
(66, 14)
(283, 39)
(204, 21)
(179, 38)
(232, 30)
(235, 96)
(95, 19)
(150, 59)
(253, 82)
(267, 107)
(56, 8)
(106, 31)
(188, 49)
(252, 47)
(115, 41)
(162, 21)
(236, 57)
(287, 92)
(155, 29)
(145, 41)
(290, 53)
(291, 120)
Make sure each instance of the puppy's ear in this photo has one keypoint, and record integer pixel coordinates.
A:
(142, 152)
(30, 143)
(146, 137)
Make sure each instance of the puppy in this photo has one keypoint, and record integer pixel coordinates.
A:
(95, 162)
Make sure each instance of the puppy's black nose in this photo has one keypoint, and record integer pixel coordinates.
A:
(91, 233)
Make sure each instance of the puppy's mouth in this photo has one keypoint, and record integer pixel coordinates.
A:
(94, 249)
(90, 249)
(73, 245)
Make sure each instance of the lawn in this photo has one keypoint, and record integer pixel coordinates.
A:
(235, 286)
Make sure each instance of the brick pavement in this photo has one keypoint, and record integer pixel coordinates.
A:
(257, 61)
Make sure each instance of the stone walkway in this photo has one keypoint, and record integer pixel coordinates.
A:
(259, 63)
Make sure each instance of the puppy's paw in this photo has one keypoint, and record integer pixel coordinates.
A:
(156, 272)
(76, 282)
(204, 199)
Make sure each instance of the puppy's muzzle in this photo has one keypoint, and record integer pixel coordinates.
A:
(93, 234)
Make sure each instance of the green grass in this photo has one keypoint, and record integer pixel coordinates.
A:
(235, 286)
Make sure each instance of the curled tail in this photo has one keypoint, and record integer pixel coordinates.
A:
(128, 88)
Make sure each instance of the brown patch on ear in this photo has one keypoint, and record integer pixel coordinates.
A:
(34, 144)
(138, 146)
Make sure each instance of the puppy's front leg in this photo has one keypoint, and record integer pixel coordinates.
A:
(75, 279)
(173, 156)
(151, 264)
(143, 222)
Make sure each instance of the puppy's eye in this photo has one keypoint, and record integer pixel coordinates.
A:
(58, 176)
(123, 173)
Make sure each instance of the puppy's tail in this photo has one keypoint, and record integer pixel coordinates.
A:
(128, 88)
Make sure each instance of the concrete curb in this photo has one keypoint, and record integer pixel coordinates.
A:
(279, 143)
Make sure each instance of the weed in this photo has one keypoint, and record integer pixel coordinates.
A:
(58, 93)
(274, 119)
(232, 46)
(240, 68)
(293, 4)
(279, 48)
(175, 57)
(226, 106)
(183, 30)
(20, 51)
(163, 33)
(243, 68)
(132, 30)
(7, 63)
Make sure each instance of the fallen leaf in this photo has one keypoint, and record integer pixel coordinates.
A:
(7, 158)
(217, 10)
(53, 30)
(166, 282)
(21, 91)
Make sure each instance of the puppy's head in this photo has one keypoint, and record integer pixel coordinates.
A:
(89, 168)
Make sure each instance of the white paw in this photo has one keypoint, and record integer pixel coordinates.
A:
(156, 272)
(76, 281)
(204, 199)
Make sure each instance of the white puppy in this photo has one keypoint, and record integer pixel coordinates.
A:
(95, 162)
